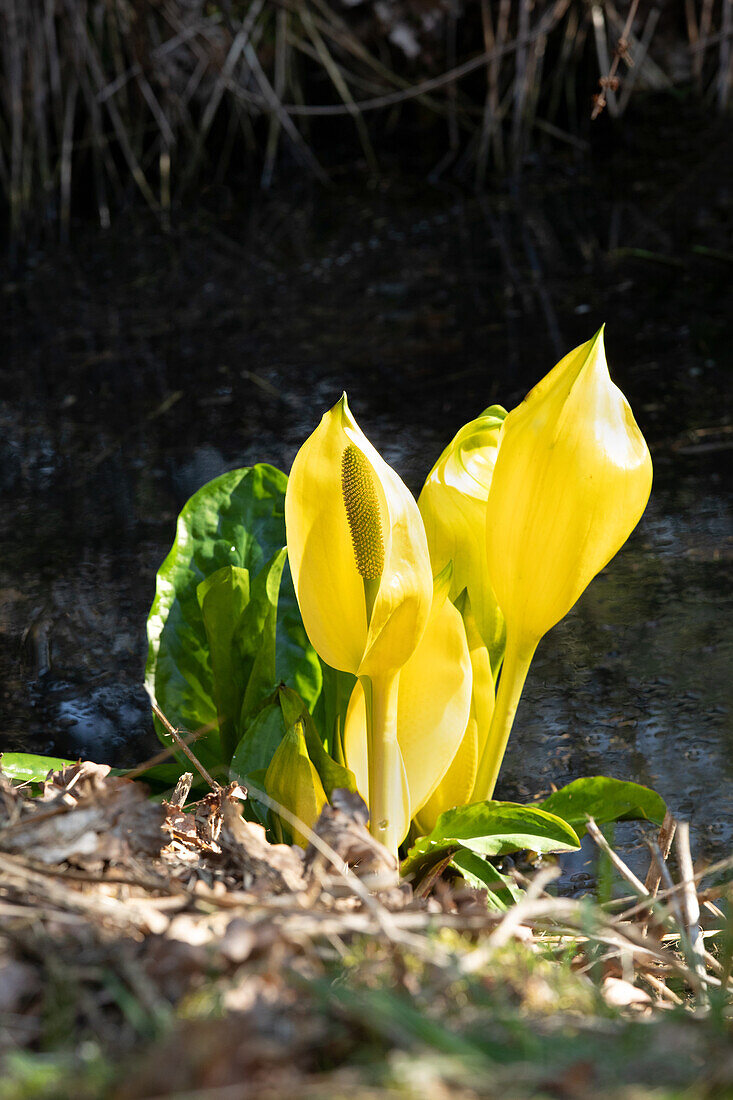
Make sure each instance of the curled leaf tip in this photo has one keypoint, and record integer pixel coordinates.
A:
(362, 513)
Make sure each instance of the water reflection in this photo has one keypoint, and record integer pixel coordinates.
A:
(143, 365)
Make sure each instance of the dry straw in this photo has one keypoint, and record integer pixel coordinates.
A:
(109, 97)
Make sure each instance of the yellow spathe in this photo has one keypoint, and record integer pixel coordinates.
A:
(323, 559)
(571, 480)
(361, 569)
(453, 507)
(433, 706)
(456, 788)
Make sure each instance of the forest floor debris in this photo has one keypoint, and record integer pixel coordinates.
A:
(168, 949)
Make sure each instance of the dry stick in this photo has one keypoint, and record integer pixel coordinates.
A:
(67, 148)
(520, 73)
(281, 51)
(663, 895)
(654, 875)
(417, 90)
(607, 94)
(97, 72)
(221, 84)
(691, 905)
(341, 87)
(14, 63)
(659, 986)
(640, 53)
(183, 746)
(159, 757)
(725, 64)
(693, 37)
(636, 884)
(698, 57)
(286, 122)
(333, 27)
(489, 117)
(699, 979)
(157, 54)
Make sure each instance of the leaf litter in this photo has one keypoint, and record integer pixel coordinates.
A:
(169, 949)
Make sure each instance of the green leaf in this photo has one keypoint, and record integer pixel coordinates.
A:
(239, 619)
(492, 829)
(258, 745)
(479, 873)
(604, 799)
(26, 767)
(236, 520)
(330, 711)
(297, 662)
(332, 774)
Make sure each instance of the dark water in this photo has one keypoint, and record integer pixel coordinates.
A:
(140, 364)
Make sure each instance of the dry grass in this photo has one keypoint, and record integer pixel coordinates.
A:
(101, 97)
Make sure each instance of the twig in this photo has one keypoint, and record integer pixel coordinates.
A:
(609, 82)
(636, 884)
(183, 746)
(692, 929)
(654, 875)
(159, 757)
(698, 980)
(512, 920)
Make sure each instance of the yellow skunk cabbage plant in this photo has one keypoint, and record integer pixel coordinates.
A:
(388, 654)
(453, 505)
(571, 481)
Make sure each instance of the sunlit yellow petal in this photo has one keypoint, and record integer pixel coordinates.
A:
(327, 540)
(434, 700)
(571, 481)
(330, 591)
(456, 788)
(453, 506)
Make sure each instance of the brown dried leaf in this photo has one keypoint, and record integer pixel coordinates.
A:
(109, 823)
(342, 825)
(272, 868)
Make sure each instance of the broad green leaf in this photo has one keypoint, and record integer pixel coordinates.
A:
(332, 774)
(258, 745)
(330, 711)
(26, 767)
(223, 598)
(478, 872)
(239, 619)
(235, 520)
(297, 662)
(492, 829)
(604, 799)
